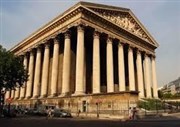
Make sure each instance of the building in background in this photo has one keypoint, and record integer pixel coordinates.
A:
(172, 87)
(90, 55)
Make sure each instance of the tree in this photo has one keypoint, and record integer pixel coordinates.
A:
(12, 71)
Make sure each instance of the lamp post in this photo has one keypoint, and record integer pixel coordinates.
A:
(97, 108)
(2, 93)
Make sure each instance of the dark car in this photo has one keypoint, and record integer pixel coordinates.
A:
(11, 113)
(42, 112)
(61, 113)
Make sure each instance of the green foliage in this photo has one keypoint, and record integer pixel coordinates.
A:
(168, 95)
(12, 72)
(150, 104)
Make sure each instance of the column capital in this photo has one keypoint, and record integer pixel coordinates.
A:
(130, 48)
(80, 28)
(153, 57)
(138, 51)
(146, 54)
(120, 44)
(39, 47)
(56, 40)
(47, 45)
(96, 34)
(67, 34)
(109, 40)
(31, 51)
(24, 54)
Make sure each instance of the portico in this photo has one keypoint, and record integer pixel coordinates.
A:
(89, 50)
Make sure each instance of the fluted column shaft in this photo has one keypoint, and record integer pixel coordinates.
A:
(23, 88)
(96, 63)
(66, 65)
(154, 78)
(131, 70)
(121, 71)
(37, 74)
(80, 86)
(7, 95)
(109, 65)
(12, 94)
(140, 75)
(17, 93)
(31, 74)
(147, 77)
(54, 78)
(45, 71)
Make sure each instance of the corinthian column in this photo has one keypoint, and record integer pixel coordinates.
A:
(37, 74)
(23, 88)
(121, 67)
(80, 86)
(45, 72)
(96, 63)
(147, 77)
(31, 74)
(66, 65)
(140, 74)
(55, 62)
(109, 62)
(154, 79)
(131, 70)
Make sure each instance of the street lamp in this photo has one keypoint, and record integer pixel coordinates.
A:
(97, 106)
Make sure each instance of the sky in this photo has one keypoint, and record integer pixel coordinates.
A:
(20, 18)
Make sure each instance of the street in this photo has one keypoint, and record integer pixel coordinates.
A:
(77, 122)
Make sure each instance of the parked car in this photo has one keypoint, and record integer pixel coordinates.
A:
(61, 113)
(42, 112)
(31, 111)
(11, 113)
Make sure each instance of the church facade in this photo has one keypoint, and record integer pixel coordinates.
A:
(90, 54)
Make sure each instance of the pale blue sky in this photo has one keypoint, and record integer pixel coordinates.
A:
(19, 18)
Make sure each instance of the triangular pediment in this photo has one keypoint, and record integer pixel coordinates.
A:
(123, 18)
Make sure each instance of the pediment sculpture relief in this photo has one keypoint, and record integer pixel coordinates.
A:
(125, 22)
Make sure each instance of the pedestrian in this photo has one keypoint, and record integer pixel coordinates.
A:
(78, 113)
(49, 113)
(134, 111)
(130, 113)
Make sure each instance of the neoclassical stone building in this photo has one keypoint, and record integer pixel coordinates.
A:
(91, 53)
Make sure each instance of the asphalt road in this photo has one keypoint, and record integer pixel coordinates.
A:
(74, 122)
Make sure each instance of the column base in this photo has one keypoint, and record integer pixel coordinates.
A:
(35, 97)
(15, 98)
(43, 96)
(53, 95)
(96, 92)
(77, 93)
(64, 94)
(21, 98)
(141, 97)
(28, 97)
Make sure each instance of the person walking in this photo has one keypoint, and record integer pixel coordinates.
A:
(130, 113)
(134, 112)
(49, 113)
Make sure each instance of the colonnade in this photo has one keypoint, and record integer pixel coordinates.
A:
(38, 68)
